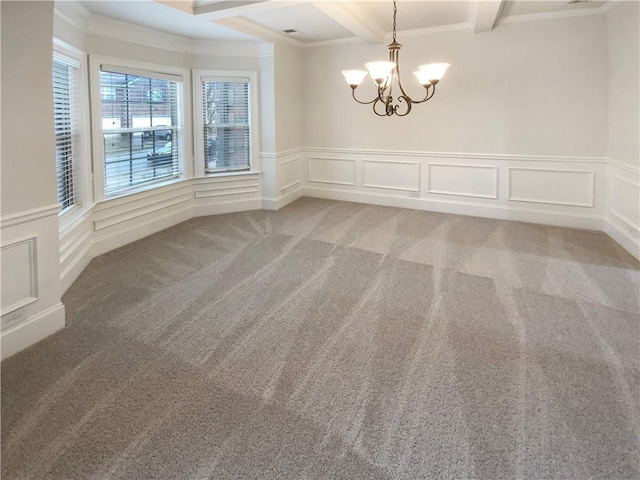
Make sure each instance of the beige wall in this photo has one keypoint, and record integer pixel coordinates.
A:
(624, 77)
(28, 154)
(532, 88)
(288, 96)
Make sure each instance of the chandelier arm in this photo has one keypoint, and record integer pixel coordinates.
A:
(353, 94)
(385, 85)
(408, 101)
(395, 54)
(427, 96)
(376, 111)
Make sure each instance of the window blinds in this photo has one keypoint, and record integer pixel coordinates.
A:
(226, 124)
(140, 128)
(66, 128)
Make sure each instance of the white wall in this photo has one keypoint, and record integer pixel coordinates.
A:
(624, 75)
(28, 157)
(288, 96)
(623, 218)
(31, 307)
(534, 88)
(517, 128)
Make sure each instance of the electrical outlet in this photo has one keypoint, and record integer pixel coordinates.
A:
(12, 318)
(414, 195)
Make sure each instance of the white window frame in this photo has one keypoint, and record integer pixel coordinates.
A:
(254, 120)
(184, 131)
(83, 184)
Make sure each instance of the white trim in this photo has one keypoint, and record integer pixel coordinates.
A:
(622, 237)
(81, 167)
(582, 12)
(623, 166)
(198, 109)
(32, 243)
(431, 30)
(282, 201)
(31, 331)
(465, 156)
(616, 213)
(503, 212)
(226, 207)
(254, 30)
(183, 129)
(115, 219)
(18, 218)
(225, 191)
(226, 176)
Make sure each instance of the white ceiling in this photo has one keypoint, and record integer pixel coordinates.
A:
(324, 20)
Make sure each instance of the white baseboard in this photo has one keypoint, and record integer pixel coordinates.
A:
(562, 219)
(31, 331)
(284, 200)
(74, 269)
(630, 242)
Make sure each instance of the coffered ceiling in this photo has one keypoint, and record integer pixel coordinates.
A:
(310, 22)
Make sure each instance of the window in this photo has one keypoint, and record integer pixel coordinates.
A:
(66, 74)
(226, 121)
(141, 125)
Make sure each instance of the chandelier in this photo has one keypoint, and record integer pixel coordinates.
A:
(386, 74)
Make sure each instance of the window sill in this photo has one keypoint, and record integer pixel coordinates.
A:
(73, 216)
(231, 174)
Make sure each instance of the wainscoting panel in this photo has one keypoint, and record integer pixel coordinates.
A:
(565, 191)
(463, 180)
(76, 237)
(19, 275)
(625, 203)
(282, 178)
(337, 171)
(225, 194)
(139, 208)
(31, 308)
(622, 221)
(288, 173)
(552, 186)
(391, 175)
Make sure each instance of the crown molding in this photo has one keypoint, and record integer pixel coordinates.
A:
(79, 17)
(73, 13)
(583, 12)
(387, 38)
(610, 5)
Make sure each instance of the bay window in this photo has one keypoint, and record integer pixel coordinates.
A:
(140, 127)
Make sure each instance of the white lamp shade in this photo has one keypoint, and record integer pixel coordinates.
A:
(434, 71)
(423, 77)
(354, 77)
(379, 71)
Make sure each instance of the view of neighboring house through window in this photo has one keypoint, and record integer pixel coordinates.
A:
(65, 81)
(226, 124)
(140, 127)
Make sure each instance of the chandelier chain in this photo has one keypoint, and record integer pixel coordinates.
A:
(395, 12)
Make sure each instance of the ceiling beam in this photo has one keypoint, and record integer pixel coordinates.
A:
(258, 31)
(483, 14)
(353, 20)
(220, 9)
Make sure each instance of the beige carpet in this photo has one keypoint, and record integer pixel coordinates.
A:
(337, 340)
